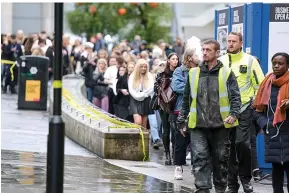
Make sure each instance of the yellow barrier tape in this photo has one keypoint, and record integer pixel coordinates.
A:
(13, 63)
(97, 115)
(11, 71)
(57, 84)
(7, 62)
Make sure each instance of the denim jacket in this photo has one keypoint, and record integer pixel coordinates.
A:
(178, 82)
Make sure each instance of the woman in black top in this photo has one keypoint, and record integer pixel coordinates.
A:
(172, 62)
(122, 100)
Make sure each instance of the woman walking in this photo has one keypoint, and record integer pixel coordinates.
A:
(272, 115)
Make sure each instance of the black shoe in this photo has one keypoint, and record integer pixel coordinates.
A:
(259, 176)
(248, 188)
(168, 161)
(155, 144)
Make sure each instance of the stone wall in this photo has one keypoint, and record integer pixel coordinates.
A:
(95, 135)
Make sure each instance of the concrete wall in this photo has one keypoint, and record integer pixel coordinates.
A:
(94, 134)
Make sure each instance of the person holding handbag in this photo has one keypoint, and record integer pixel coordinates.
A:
(164, 78)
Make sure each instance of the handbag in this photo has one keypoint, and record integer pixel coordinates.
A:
(167, 97)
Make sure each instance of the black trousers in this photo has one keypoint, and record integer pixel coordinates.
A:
(180, 143)
(111, 96)
(210, 155)
(278, 176)
(166, 130)
(240, 159)
(8, 78)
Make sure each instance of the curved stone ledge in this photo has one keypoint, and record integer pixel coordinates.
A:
(95, 135)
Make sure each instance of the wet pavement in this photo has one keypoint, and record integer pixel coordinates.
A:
(25, 172)
(23, 161)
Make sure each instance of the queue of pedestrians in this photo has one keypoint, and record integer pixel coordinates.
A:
(195, 103)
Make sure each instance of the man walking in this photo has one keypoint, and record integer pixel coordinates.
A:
(249, 74)
(212, 100)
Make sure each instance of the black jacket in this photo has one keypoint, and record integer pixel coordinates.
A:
(276, 148)
(100, 88)
(8, 54)
(121, 99)
(207, 103)
(88, 72)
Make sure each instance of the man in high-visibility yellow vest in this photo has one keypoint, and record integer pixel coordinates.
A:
(249, 75)
(212, 100)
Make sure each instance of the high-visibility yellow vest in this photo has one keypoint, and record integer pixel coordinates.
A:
(223, 76)
(247, 89)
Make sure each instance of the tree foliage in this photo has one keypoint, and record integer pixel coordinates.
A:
(144, 19)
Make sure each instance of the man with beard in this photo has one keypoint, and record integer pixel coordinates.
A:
(249, 74)
(212, 100)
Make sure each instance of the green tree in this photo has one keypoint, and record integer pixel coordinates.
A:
(144, 19)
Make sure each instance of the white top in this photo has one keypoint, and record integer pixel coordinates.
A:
(136, 93)
(111, 75)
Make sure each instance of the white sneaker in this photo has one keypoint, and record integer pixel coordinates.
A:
(178, 173)
(188, 157)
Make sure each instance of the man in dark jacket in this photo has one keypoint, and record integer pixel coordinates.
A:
(212, 100)
(12, 51)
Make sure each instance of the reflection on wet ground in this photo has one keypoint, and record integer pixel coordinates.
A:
(26, 172)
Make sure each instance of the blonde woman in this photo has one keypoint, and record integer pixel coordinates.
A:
(130, 68)
(141, 85)
(37, 52)
(100, 94)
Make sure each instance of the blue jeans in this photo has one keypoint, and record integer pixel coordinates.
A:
(154, 127)
(89, 94)
(159, 122)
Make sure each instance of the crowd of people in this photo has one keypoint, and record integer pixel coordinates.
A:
(197, 104)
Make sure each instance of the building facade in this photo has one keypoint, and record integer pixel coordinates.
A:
(188, 18)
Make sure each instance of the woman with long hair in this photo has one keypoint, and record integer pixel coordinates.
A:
(141, 85)
(122, 100)
(272, 115)
(28, 45)
(100, 94)
(130, 68)
(171, 65)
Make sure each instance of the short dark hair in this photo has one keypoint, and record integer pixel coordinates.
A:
(283, 54)
(237, 34)
(120, 60)
(214, 42)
